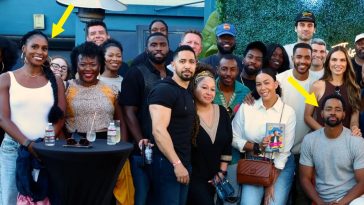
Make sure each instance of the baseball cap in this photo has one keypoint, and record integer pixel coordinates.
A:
(225, 28)
(306, 16)
(358, 37)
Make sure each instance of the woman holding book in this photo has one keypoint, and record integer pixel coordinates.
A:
(252, 129)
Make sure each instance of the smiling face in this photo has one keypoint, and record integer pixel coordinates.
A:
(97, 34)
(266, 86)
(194, 41)
(113, 58)
(59, 67)
(302, 60)
(228, 71)
(205, 90)
(253, 61)
(226, 44)
(276, 60)
(338, 63)
(88, 69)
(36, 50)
(318, 55)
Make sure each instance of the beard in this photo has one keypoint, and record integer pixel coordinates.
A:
(155, 60)
(223, 51)
(183, 77)
(333, 123)
(250, 71)
(360, 53)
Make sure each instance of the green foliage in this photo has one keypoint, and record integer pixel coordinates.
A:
(273, 21)
(209, 37)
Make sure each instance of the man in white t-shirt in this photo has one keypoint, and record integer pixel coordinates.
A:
(305, 27)
(302, 53)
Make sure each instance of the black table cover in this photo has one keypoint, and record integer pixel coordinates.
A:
(83, 175)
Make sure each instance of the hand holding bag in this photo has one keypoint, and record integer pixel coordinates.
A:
(223, 188)
(256, 172)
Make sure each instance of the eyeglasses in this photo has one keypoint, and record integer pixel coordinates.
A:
(58, 67)
(82, 142)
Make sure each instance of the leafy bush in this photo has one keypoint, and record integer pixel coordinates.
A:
(273, 21)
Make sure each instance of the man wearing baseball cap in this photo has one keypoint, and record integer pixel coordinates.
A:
(305, 27)
(358, 59)
(225, 35)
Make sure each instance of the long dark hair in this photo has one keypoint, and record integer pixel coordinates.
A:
(55, 113)
(348, 78)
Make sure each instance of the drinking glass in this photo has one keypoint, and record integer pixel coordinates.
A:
(91, 136)
(118, 135)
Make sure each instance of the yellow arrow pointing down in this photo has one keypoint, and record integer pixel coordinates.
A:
(57, 28)
(310, 98)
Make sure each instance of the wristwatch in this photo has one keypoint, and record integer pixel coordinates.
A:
(27, 143)
(257, 149)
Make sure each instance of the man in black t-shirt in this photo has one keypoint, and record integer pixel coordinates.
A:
(172, 112)
(358, 60)
(136, 85)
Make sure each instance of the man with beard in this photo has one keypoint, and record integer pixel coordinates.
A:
(225, 35)
(156, 26)
(305, 27)
(319, 53)
(252, 63)
(133, 99)
(358, 60)
(334, 158)
(301, 73)
(173, 113)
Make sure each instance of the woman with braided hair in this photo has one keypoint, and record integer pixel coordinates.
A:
(30, 97)
(211, 145)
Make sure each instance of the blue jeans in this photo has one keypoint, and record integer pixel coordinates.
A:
(253, 195)
(168, 190)
(142, 180)
(8, 156)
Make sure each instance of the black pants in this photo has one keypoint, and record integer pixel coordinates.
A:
(200, 192)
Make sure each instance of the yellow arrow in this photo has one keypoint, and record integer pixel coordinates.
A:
(57, 28)
(310, 98)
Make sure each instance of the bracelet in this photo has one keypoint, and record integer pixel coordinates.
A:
(177, 163)
(256, 149)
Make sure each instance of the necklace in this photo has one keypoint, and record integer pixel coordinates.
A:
(33, 75)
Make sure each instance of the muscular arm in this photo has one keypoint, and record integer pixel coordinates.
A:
(357, 190)
(161, 117)
(309, 109)
(306, 174)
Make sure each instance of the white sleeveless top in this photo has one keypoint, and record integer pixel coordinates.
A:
(29, 107)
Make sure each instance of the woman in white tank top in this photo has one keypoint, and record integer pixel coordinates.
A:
(30, 97)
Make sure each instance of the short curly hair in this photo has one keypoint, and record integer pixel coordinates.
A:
(87, 49)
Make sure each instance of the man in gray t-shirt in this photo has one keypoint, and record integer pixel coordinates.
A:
(334, 158)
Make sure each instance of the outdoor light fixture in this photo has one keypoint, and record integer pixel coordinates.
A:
(94, 9)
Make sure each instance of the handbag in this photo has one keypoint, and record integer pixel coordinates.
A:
(223, 188)
(256, 172)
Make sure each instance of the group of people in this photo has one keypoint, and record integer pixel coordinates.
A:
(199, 116)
